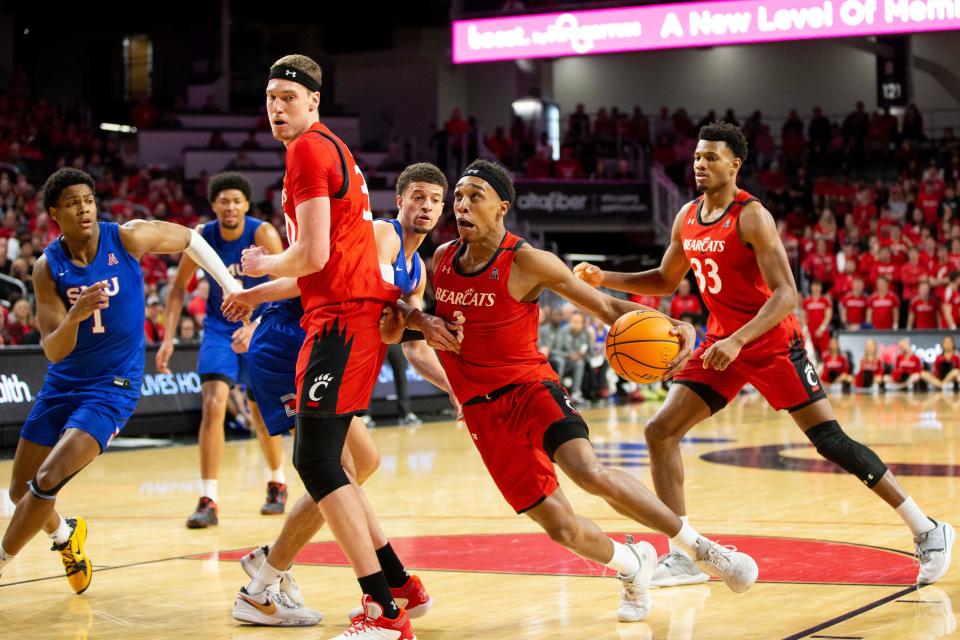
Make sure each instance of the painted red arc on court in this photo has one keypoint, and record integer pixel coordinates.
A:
(780, 559)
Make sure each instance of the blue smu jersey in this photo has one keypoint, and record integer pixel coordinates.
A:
(407, 281)
(110, 343)
(229, 252)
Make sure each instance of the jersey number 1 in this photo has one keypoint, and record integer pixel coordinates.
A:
(712, 274)
(98, 322)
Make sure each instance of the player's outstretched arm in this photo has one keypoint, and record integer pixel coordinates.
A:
(535, 270)
(307, 254)
(661, 281)
(58, 326)
(173, 309)
(239, 304)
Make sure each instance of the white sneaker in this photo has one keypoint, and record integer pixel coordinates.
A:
(635, 600)
(737, 570)
(410, 420)
(934, 549)
(272, 608)
(676, 569)
(252, 561)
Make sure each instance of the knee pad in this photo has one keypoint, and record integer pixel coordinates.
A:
(48, 494)
(837, 447)
(317, 448)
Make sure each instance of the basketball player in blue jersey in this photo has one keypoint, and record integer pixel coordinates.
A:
(222, 362)
(90, 312)
(272, 356)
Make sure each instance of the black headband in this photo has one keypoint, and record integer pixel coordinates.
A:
(284, 72)
(492, 179)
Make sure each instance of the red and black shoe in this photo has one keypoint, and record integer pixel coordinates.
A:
(276, 499)
(205, 515)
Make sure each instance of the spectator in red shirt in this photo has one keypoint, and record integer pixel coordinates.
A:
(912, 274)
(906, 369)
(946, 368)
(923, 310)
(953, 259)
(197, 307)
(885, 268)
(870, 258)
(21, 325)
(819, 265)
(539, 166)
(836, 367)
(685, 302)
(928, 201)
(791, 243)
(871, 366)
(894, 242)
(568, 167)
(152, 327)
(914, 230)
(843, 283)
(883, 307)
(950, 311)
(818, 310)
(648, 301)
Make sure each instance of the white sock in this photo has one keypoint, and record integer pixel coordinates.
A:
(209, 488)
(62, 534)
(685, 541)
(914, 517)
(277, 475)
(263, 578)
(4, 558)
(676, 547)
(624, 561)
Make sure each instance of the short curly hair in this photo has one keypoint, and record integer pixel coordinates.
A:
(731, 134)
(62, 179)
(228, 180)
(421, 172)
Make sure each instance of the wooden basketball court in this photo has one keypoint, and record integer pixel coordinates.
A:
(835, 562)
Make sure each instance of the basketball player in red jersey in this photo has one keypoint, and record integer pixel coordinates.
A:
(731, 242)
(333, 254)
(520, 418)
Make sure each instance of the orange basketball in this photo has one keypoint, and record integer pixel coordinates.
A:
(639, 346)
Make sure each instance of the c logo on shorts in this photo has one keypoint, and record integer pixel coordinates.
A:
(320, 382)
(811, 376)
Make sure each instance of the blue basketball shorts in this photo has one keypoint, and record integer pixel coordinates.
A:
(100, 413)
(272, 362)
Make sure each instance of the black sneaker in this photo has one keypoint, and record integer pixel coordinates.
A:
(276, 499)
(205, 515)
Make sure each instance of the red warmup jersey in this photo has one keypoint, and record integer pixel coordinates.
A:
(910, 277)
(883, 308)
(500, 348)
(887, 269)
(908, 364)
(834, 365)
(856, 308)
(924, 312)
(320, 165)
(729, 279)
(816, 310)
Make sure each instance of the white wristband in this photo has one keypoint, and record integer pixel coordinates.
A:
(208, 260)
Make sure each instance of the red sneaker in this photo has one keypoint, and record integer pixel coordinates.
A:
(412, 597)
(373, 625)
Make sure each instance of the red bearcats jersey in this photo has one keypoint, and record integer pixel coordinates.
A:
(320, 165)
(500, 346)
(925, 312)
(729, 279)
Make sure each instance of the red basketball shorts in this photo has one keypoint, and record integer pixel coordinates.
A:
(509, 431)
(780, 371)
(340, 359)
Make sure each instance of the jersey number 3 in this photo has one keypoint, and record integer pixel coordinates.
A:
(712, 274)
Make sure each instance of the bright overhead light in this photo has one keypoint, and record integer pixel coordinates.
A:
(119, 128)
